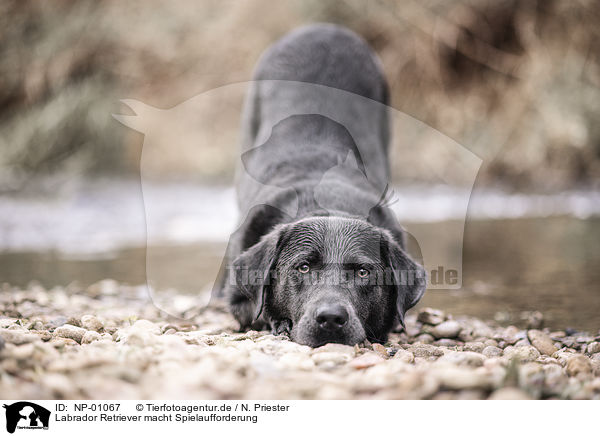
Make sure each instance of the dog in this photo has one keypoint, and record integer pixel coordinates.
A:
(318, 255)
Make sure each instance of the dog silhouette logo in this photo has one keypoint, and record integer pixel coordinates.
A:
(26, 415)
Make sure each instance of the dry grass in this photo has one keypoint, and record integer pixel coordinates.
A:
(516, 82)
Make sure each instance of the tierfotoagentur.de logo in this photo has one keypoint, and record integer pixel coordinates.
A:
(24, 415)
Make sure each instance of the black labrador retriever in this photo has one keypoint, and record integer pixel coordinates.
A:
(334, 269)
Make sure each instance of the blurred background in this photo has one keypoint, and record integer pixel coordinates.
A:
(515, 82)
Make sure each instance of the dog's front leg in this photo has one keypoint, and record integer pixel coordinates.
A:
(281, 327)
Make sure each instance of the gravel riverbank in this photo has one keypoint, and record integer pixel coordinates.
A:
(110, 342)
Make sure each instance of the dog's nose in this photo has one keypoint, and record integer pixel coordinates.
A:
(332, 317)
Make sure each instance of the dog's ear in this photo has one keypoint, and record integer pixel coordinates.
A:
(409, 277)
(251, 277)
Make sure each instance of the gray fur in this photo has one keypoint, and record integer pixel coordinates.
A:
(308, 193)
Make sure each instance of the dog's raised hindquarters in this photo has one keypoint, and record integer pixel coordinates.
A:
(318, 255)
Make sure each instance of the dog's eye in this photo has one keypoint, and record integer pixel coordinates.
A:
(363, 273)
(304, 268)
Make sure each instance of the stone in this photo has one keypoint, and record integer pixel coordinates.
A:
(449, 343)
(335, 348)
(90, 322)
(424, 338)
(526, 353)
(404, 356)
(103, 287)
(57, 322)
(569, 341)
(541, 342)
(298, 361)
(522, 343)
(90, 336)
(17, 337)
(23, 352)
(425, 350)
(144, 324)
(60, 343)
(431, 316)
(74, 321)
(593, 348)
(534, 320)
(453, 377)
(545, 360)
(330, 358)
(447, 329)
(37, 325)
(366, 360)
(381, 350)
(510, 393)
(510, 335)
(477, 347)
(490, 343)
(69, 331)
(564, 355)
(578, 364)
(131, 349)
(491, 351)
(462, 358)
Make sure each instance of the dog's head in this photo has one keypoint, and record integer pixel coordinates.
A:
(328, 279)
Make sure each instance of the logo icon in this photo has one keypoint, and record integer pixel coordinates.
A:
(26, 415)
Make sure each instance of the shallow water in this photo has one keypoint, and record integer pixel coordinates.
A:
(510, 266)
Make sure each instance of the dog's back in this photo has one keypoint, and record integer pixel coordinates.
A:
(319, 54)
(315, 171)
(325, 54)
(320, 69)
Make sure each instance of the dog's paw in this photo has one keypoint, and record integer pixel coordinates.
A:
(281, 327)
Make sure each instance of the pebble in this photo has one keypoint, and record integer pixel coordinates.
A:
(490, 343)
(525, 353)
(464, 358)
(563, 356)
(431, 316)
(74, 321)
(330, 358)
(491, 351)
(90, 336)
(477, 347)
(510, 335)
(17, 337)
(541, 342)
(534, 320)
(57, 322)
(23, 352)
(425, 338)
(69, 331)
(522, 343)
(130, 349)
(58, 342)
(445, 342)
(335, 348)
(593, 348)
(578, 364)
(299, 361)
(404, 356)
(425, 350)
(381, 350)
(447, 329)
(90, 322)
(510, 393)
(366, 360)
(453, 377)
